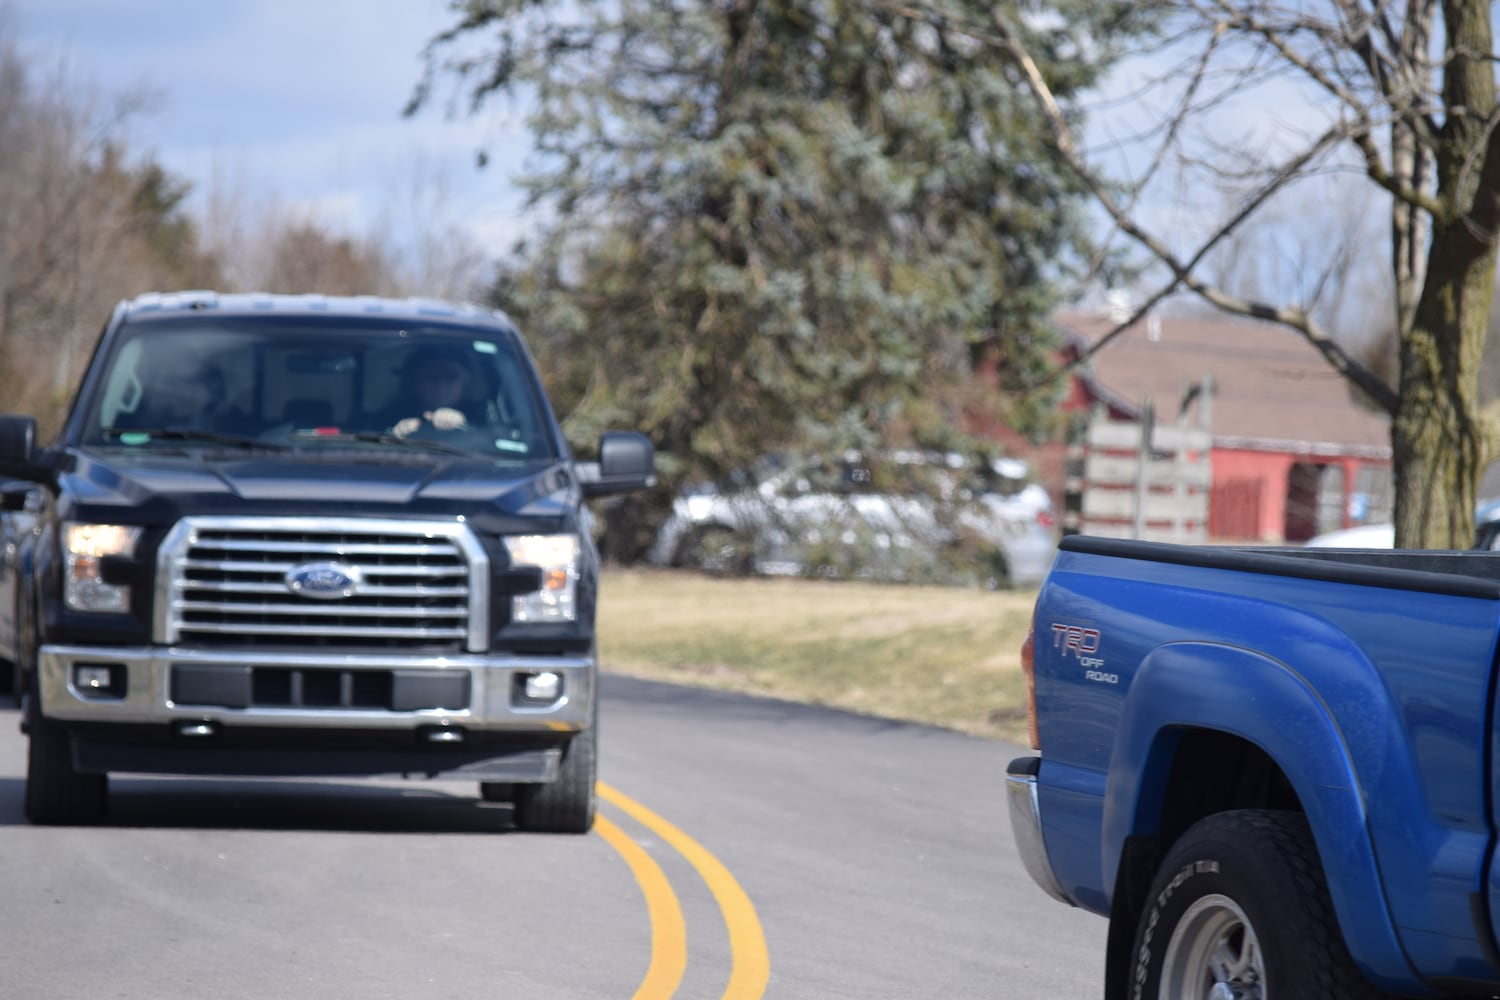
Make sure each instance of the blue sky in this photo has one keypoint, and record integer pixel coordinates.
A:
(300, 101)
(296, 100)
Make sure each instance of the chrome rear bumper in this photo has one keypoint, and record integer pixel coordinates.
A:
(1026, 824)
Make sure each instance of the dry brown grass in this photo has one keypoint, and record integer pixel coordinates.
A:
(945, 656)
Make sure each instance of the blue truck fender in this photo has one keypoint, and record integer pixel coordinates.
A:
(1185, 686)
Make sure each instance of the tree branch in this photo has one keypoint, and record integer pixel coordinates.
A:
(1168, 139)
(1291, 316)
(1362, 132)
(1394, 74)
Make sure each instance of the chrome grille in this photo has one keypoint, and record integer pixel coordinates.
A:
(222, 582)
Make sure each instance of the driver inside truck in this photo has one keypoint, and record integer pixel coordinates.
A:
(437, 392)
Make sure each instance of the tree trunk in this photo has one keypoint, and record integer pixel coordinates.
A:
(1439, 438)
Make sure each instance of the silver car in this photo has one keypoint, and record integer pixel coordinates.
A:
(905, 516)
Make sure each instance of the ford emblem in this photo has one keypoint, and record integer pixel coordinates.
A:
(326, 581)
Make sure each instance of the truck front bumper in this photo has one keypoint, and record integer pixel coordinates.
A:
(316, 691)
(1026, 824)
(172, 710)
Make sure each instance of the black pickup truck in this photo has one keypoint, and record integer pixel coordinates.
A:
(307, 535)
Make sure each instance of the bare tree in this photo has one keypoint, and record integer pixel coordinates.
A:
(86, 222)
(1313, 246)
(431, 253)
(411, 244)
(293, 254)
(227, 217)
(82, 225)
(1401, 95)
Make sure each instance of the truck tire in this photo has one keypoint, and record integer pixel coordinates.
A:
(1241, 900)
(567, 804)
(57, 794)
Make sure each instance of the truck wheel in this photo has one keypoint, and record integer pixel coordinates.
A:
(567, 804)
(57, 794)
(1240, 909)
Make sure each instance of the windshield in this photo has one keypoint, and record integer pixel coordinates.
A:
(292, 383)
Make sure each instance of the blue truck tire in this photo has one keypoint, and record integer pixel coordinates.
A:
(1240, 909)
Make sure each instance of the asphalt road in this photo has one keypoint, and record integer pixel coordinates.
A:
(746, 848)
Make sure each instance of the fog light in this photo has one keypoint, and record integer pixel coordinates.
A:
(99, 679)
(92, 677)
(545, 686)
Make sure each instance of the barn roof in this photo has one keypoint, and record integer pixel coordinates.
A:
(1272, 389)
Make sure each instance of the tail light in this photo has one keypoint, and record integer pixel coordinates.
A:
(1028, 668)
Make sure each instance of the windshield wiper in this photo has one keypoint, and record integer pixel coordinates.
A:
(193, 434)
(385, 437)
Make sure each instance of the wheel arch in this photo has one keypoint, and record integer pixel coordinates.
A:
(1178, 758)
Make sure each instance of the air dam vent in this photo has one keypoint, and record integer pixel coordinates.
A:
(238, 686)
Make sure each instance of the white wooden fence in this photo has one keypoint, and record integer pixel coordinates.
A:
(1123, 484)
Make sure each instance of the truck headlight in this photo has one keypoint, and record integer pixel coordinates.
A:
(557, 557)
(84, 548)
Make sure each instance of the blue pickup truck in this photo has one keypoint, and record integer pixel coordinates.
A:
(1276, 772)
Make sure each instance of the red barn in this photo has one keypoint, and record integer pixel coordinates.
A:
(1293, 453)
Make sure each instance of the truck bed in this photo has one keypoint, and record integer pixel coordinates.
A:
(1462, 572)
(1356, 687)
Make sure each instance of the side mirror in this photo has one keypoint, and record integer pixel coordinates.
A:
(18, 447)
(627, 461)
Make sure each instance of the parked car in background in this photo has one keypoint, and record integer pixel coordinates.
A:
(1383, 536)
(1364, 536)
(903, 516)
(1487, 525)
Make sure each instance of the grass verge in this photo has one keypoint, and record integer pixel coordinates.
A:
(945, 656)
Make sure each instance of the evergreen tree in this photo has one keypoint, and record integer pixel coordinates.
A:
(777, 224)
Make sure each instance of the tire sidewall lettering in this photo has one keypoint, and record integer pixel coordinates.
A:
(1154, 919)
(1265, 864)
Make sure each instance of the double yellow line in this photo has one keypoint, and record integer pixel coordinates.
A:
(750, 967)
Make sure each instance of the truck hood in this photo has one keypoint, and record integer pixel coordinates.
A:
(163, 486)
